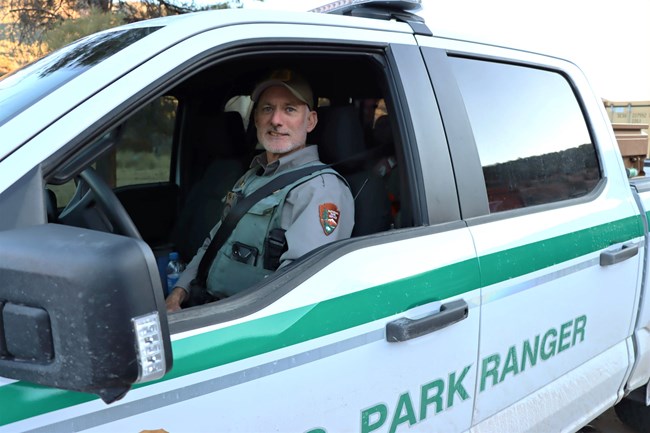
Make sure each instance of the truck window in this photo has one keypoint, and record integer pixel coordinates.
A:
(530, 132)
(25, 86)
(172, 160)
(143, 154)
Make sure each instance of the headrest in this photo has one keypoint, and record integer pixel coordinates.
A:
(339, 136)
(222, 136)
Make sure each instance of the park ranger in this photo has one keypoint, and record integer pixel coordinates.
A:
(285, 224)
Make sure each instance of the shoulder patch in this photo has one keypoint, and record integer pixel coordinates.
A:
(329, 217)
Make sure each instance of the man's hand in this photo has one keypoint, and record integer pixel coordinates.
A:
(175, 299)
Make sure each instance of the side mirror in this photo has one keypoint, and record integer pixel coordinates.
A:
(81, 310)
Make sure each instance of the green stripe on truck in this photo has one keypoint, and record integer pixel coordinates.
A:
(197, 353)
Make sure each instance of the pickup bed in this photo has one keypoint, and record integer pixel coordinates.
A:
(495, 280)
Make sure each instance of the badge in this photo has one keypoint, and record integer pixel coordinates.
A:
(229, 201)
(329, 217)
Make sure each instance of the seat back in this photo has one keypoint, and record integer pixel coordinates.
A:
(225, 157)
(341, 142)
(216, 136)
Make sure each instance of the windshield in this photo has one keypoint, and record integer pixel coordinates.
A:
(25, 86)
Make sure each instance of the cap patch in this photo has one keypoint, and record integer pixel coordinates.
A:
(329, 217)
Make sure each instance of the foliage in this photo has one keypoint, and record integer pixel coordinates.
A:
(71, 30)
(31, 28)
(13, 56)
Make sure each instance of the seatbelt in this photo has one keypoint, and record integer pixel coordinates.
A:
(239, 210)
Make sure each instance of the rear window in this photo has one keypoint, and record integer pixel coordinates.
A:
(531, 135)
(25, 86)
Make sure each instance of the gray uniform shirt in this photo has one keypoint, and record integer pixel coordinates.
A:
(301, 212)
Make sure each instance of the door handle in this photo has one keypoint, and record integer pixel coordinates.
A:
(608, 258)
(404, 329)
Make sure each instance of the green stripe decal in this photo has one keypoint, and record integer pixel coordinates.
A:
(263, 335)
(515, 262)
(22, 400)
(296, 326)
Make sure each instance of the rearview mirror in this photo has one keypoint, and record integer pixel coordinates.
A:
(81, 310)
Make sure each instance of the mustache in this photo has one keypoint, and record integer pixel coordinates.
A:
(277, 131)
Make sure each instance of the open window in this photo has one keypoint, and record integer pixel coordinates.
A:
(354, 134)
(172, 160)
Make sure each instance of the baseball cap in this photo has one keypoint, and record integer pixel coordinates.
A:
(289, 79)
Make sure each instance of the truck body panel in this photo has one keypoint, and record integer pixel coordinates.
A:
(526, 239)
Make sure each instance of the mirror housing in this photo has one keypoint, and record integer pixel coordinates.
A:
(81, 310)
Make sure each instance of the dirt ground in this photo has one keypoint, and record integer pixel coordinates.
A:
(608, 423)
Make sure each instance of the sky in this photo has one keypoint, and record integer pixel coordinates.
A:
(608, 39)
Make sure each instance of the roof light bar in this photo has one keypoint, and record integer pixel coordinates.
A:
(343, 6)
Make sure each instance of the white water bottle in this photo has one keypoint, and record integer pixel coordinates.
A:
(174, 270)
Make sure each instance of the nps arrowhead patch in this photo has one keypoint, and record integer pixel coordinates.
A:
(329, 217)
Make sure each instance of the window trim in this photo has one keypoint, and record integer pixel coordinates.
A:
(445, 84)
(468, 172)
(280, 283)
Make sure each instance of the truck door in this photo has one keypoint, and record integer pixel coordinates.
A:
(376, 333)
(558, 238)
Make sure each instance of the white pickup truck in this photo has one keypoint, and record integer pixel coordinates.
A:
(495, 280)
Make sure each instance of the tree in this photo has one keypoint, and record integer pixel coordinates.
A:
(31, 28)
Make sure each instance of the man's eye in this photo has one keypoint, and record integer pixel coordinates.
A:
(291, 109)
(267, 109)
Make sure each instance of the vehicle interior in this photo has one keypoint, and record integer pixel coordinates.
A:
(162, 168)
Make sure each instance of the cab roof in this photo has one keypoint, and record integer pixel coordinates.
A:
(207, 20)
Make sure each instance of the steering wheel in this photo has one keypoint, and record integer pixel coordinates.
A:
(99, 192)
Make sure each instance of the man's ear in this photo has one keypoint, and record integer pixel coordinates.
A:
(312, 120)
